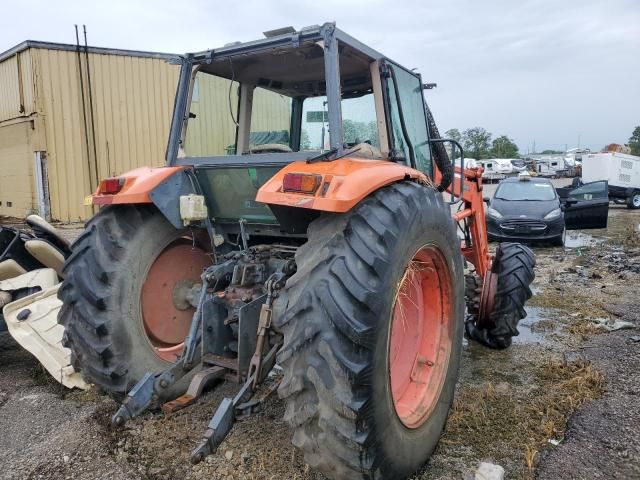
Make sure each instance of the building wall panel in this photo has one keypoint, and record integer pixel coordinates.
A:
(132, 100)
(16, 170)
(213, 130)
(132, 114)
(10, 98)
(17, 83)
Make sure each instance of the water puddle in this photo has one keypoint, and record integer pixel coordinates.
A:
(534, 326)
(575, 239)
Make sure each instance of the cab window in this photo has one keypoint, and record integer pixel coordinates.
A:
(358, 122)
(270, 120)
(409, 88)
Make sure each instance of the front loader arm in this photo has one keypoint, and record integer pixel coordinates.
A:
(473, 214)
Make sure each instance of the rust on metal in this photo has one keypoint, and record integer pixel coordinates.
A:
(198, 383)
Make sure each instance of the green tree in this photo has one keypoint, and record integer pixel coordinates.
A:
(503, 147)
(305, 142)
(634, 142)
(552, 152)
(476, 142)
(358, 132)
(453, 134)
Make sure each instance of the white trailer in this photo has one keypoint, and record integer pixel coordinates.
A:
(495, 168)
(550, 167)
(622, 171)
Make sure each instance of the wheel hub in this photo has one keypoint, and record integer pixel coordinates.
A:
(166, 313)
(487, 298)
(421, 336)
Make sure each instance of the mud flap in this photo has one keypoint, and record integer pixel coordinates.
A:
(33, 322)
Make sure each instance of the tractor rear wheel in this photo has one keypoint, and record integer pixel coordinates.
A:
(373, 323)
(119, 311)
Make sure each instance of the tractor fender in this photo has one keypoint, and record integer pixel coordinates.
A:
(138, 184)
(344, 183)
(162, 186)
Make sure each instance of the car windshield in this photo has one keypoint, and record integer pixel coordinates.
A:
(523, 191)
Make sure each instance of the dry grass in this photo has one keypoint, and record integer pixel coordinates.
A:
(583, 327)
(403, 288)
(503, 422)
(569, 300)
(630, 236)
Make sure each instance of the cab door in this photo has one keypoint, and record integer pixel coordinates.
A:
(586, 206)
(406, 116)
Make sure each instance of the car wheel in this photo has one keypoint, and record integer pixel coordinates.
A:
(633, 201)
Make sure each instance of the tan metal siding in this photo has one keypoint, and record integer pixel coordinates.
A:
(132, 102)
(16, 164)
(213, 130)
(12, 81)
(28, 82)
(10, 98)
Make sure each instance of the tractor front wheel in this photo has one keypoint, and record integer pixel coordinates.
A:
(119, 308)
(373, 323)
(494, 309)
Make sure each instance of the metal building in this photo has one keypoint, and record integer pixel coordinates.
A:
(70, 117)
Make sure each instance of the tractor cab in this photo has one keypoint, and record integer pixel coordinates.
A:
(245, 110)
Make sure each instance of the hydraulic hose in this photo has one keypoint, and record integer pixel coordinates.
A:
(440, 154)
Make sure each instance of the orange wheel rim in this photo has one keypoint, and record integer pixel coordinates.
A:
(421, 336)
(165, 325)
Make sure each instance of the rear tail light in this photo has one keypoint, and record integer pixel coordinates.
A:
(111, 185)
(301, 182)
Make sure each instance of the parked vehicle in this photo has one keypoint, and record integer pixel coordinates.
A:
(519, 165)
(550, 167)
(345, 263)
(620, 170)
(495, 169)
(528, 209)
(30, 274)
(573, 156)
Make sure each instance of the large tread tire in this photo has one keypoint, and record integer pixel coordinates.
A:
(472, 292)
(101, 309)
(335, 316)
(514, 265)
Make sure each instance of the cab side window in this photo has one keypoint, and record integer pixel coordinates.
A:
(414, 136)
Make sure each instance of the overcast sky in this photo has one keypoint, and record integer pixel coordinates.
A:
(548, 71)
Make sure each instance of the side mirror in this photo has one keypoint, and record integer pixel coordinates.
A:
(487, 199)
(568, 202)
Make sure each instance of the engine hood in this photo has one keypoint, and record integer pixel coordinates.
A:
(528, 208)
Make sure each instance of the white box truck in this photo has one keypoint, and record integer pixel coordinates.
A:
(622, 171)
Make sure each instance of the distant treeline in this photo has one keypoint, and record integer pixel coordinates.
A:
(477, 143)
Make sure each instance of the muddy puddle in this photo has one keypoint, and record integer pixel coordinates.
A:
(535, 327)
(577, 239)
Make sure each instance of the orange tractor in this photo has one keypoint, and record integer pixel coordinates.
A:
(300, 237)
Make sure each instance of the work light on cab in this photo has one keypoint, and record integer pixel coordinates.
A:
(301, 183)
(111, 185)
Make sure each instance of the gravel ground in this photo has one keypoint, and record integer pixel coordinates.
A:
(547, 386)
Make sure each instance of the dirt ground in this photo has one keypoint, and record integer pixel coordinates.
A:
(562, 402)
